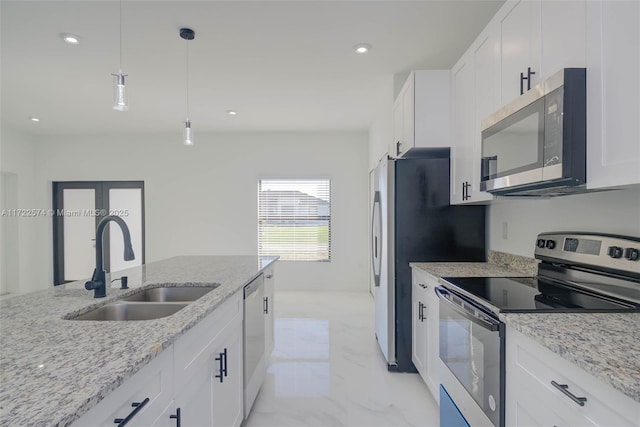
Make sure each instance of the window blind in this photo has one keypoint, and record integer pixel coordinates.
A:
(294, 219)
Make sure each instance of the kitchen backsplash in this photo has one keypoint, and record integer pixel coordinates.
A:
(516, 262)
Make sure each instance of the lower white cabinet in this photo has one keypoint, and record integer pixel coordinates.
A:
(425, 334)
(196, 382)
(269, 306)
(543, 389)
(142, 398)
(213, 394)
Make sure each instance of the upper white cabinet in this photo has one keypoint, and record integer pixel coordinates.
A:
(421, 112)
(475, 95)
(543, 389)
(519, 28)
(613, 93)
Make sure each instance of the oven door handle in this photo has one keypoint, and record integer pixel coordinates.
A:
(485, 321)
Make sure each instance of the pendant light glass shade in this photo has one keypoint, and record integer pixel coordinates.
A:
(187, 134)
(120, 101)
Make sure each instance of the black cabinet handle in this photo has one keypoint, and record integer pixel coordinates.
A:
(528, 79)
(269, 276)
(265, 305)
(465, 190)
(421, 308)
(423, 286)
(176, 417)
(564, 388)
(398, 143)
(222, 365)
(138, 406)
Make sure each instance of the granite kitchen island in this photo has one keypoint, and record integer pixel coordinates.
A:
(54, 370)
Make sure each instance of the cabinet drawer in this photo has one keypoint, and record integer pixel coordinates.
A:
(191, 348)
(535, 368)
(154, 381)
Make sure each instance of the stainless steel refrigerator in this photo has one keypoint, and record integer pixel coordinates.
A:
(412, 221)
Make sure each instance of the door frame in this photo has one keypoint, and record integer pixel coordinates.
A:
(101, 202)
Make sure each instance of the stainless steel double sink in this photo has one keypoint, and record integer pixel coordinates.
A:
(148, 304)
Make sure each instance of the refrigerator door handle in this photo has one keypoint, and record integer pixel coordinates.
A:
(376, 237)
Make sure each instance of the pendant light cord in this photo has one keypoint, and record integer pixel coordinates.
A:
(187, 42)
(121, 36)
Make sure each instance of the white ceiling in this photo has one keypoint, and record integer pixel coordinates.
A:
(283, 65)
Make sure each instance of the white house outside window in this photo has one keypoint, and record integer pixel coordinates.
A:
(294, 219)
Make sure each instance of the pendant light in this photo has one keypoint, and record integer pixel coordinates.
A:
(120, 101)
(187, 137)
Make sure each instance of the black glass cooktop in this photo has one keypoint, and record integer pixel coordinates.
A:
(530, 294)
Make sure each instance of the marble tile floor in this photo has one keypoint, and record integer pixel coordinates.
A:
(327, 370)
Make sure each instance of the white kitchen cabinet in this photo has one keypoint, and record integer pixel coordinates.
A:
(421, 112)
(563, 36)
(153, 382)
(425, 339)
(419, 326)
(462, 99)
(269, 307)
(613, 94)
(201, 375)
(532, 399)
(519, 27)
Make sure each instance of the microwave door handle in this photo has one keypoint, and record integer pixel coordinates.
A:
(486, 323)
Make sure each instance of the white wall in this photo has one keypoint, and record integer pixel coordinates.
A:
(203, 199)
(18, 161)
(616, 212)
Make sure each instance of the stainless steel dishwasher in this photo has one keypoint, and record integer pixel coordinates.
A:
(254, 341)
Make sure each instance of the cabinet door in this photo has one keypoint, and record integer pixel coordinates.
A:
(269, 306)
(408, 111)
(228, 398)
(396, 144)
(519, 47)
(462, 118)
(563, 32)
(418, 339)
(486, 81)
(433, 338)
(613, 93)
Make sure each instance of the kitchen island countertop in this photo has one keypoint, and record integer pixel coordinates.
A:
(606, 345)
(55, 370)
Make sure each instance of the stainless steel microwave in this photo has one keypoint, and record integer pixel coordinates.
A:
(536, 145)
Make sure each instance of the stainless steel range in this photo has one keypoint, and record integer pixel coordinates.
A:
(578, 272)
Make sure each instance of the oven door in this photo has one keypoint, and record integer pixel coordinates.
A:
(472, 350)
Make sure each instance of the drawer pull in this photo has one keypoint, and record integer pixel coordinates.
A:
(564, 389)
(423, 286)
(138, 406)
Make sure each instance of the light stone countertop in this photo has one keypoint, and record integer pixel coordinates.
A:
(606, 345)
(52, 370)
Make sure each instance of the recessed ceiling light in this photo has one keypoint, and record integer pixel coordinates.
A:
(362, 48)
(34, 119)
(70, 38)
(232, 112)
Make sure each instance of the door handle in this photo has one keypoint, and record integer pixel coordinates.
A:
(398, 144)
(220, 360)
(266, 305)
(176, 417)
(528, 79)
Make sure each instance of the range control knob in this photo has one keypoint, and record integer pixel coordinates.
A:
(551, 244)
(540, 243)
(632, 254)
(614, 251)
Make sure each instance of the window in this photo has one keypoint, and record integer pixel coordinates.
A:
(294, 219)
